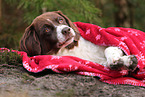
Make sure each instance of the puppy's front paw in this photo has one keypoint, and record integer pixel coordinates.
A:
(116, 65)
(133, 63)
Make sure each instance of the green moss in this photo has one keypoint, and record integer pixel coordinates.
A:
(11, 58)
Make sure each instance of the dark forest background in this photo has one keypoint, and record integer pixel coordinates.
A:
(16, 15)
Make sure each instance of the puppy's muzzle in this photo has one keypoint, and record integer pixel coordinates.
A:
(66, 31)
(65, 35)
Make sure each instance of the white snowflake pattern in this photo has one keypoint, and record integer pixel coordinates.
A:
(26, 65)
(55, 57)
(98, 37)
(65, 69)
(76, 67)
(52, 67)
(123, 38)
(143, 80)
(141, 57)
(70, 67)
(124, 72)
(35, 69)
(88, 32)
(88, 73)
(87, 62)
(123, 44)
(100, 29)
(133, 32)
(117, 29)
(142, 44)
(132, 81)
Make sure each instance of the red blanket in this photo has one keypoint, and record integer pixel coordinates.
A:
(131, 41)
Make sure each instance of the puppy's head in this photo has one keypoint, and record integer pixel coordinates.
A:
(48, 33)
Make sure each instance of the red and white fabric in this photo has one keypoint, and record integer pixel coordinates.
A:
(131, 41)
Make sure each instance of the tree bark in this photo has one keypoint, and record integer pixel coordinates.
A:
(131, 13)
(0, 9)
(0, 15)
(123, 14)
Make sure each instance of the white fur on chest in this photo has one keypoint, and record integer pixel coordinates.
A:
(86, 50)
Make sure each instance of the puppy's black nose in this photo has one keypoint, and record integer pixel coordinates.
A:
(66, 30)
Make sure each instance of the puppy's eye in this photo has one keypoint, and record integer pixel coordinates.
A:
(47, 30)
(60, 20)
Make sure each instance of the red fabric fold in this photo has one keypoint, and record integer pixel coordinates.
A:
(131, 41)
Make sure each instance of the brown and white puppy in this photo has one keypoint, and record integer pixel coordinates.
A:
(54, 34)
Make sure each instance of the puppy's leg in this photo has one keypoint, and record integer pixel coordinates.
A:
(130, 62)
(113, 55)
(116, 59)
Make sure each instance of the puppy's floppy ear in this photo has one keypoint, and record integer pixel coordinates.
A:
(30, 42)
(70, 24)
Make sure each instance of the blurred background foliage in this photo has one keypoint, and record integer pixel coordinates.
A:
(16, 15)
